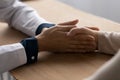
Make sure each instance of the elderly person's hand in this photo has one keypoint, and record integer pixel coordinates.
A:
(85, 33)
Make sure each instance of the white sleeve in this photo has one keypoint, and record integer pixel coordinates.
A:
(108, 42)
(20, 16)
(11, 56)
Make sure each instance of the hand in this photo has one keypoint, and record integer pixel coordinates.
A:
(88, 32)
(56, 39)
(48, 40)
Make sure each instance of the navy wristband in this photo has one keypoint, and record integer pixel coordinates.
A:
(44, 25)
(31, 48)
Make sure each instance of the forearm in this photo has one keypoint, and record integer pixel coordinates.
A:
(17, 54)
(20, 16)
(26, 19)
(12, 56)
(108, 42)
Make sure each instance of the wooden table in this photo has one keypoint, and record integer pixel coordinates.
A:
(64, 66)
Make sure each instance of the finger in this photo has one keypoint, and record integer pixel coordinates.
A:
(86, 44)
(83, 37)
(74, 22)
(83, 45)
(94, 28)
(82, 30)
(82, 40)
(82, 48)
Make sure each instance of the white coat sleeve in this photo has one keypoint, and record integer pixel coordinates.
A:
(108, 42)
(20, 16)
(23, 18)
(11, 56)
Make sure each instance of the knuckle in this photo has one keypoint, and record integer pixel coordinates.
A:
(73, 30)
(91, 38)
(57, 26)
(82, 28)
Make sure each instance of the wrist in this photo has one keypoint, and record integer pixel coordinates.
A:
(40, 43)
(42, 26)
(31, 48)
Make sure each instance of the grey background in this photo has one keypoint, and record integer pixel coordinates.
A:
(109, 9)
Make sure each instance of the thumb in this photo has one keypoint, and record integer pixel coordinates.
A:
(65, 28)
(74, 22)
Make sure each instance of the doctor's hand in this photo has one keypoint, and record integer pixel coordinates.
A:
(54, 38)
(92, 32)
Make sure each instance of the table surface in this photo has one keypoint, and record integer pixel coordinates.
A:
(62, 66)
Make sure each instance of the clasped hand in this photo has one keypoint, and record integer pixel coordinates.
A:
(67, 37)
